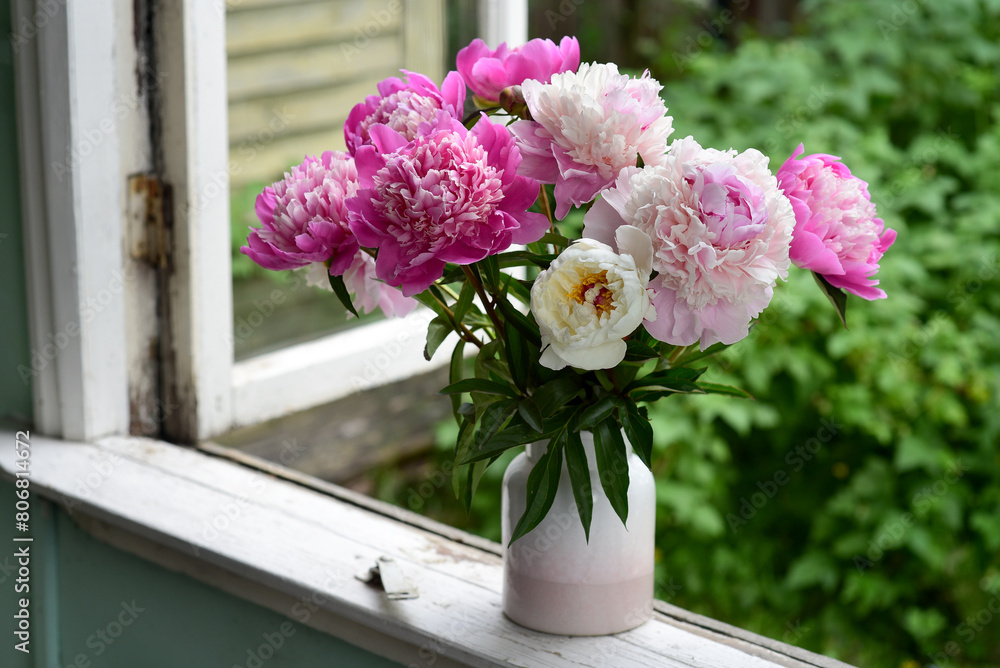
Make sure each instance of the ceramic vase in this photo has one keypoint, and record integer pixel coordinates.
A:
(554, 579)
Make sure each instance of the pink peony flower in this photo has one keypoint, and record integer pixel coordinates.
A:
(488, 72)
(304, 223)
(720, 229)
(404, 106)
(837, 234)
(449, 195)
(303, 216)
(588, 126)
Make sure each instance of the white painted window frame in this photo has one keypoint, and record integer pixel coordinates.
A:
(74, 234)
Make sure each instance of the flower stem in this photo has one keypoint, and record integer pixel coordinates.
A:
(459, 327)
(487, 304)
(544, 196)
(675, 353)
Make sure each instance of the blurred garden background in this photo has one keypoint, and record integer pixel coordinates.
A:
(853, 507)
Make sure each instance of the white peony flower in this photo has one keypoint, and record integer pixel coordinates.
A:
(590, 298)
(589, 125)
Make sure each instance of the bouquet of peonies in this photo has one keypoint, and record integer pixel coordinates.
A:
(681, 245)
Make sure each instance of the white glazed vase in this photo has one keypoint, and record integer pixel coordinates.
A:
(557, 582)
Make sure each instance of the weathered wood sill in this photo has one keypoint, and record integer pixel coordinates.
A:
(294, 545)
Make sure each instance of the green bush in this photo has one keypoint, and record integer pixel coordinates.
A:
(853, 508)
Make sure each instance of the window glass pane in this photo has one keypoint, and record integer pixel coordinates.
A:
(295, 70)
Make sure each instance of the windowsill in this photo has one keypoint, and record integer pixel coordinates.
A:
(281, 543)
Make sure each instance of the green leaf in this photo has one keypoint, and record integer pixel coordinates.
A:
(428, 300)
(476, 471)
(520, 322)
(466, 437)
(579, 476)
(529, 412)
(612, 464)
(698, 355)
(716, 388)
(597, 412)
(479, 385)
(555, 240)
(340, 289)
(518, 358)
(514, 434)
(543, 482)
(836, 296)
(526, 258)
(638, 351)
(638, 431)
(489, 272)
(659, 382)
(464, 302)
(556, 393)
(494, 417)
(455, 370)
(438, 330)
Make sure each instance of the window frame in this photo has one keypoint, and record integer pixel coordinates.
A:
(78, 256)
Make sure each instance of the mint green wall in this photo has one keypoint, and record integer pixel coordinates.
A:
(176, 622)
(15, 395)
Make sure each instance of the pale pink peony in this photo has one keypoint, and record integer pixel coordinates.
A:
(587, 126)
(449, 195)
(837, 233)
(487, 72)
(720, 229)
(404, 106)
(304, 223)
(367, 292)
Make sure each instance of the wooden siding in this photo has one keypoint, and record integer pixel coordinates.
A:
(297, 67)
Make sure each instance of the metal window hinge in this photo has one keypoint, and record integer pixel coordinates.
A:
(387, 573)
(148, 220)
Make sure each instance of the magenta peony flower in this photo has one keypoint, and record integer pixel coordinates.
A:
(404, 106)
(449, 195)
(488, 72)
(303, 216)
(304, 223)
(720, 229)
(837, 234)
(588, 126)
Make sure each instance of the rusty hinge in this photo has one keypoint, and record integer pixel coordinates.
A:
(149, 234)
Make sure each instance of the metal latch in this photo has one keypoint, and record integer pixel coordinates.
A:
(386, 572)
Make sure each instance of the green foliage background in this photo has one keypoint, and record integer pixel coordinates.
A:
(854, 507)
